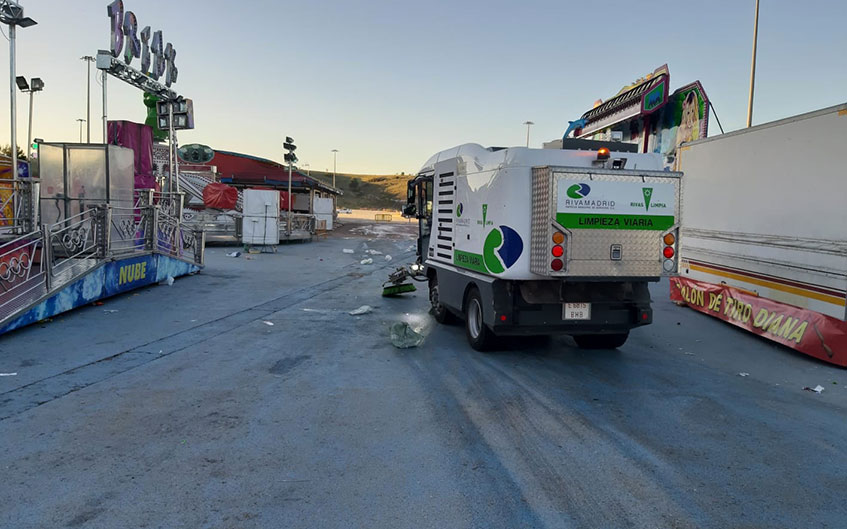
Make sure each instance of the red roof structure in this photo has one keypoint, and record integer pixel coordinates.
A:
(243, 170)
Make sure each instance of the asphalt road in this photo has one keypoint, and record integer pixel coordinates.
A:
(185, 409)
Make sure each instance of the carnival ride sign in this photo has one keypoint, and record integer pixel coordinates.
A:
(146, 45)
(804, 330)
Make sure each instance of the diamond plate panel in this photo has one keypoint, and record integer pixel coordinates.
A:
(541, 219)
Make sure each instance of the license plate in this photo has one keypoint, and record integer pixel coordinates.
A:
(576, 311)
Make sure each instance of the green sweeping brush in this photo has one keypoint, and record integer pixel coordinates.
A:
(393, 290)
(395, 284)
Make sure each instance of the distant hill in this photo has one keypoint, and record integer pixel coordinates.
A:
(362, 191)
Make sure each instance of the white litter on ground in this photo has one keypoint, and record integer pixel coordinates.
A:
(373, 252)
(268, 323)
(364, 309)
(744, 374)
(367, 261)
(110, 311)
(388, 257)
(348, 250)
(816, 389)
(8, 374)
(233, 254)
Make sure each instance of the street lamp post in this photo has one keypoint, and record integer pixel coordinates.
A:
(35, 85)
(308, 169)
(334, 172)
(334, 165)
(528, 125)
(88, 59)
(12, 13)
(753, 67)
(291, 159)
(81, 121)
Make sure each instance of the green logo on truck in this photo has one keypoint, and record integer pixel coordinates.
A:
(648, 193)
(500, 251)
(578, 191)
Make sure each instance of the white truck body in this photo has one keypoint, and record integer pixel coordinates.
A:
(494, 212)
(763, 210)
(544, 240)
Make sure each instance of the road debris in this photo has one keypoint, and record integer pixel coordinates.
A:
(169, 281)
(110, 311)
(373, 252)
(744, 374)
(816, 389)
(268, 323)
(388, 257)
(234, 254)
(364, 309)
(348, 250)
(367, 261)
(8, 374)
(404, 337)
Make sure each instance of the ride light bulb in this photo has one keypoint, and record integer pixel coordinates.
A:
(668, 252)
(558, 251)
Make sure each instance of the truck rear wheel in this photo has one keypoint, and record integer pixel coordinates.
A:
(439, 311)
(479, 336)
(601, 341)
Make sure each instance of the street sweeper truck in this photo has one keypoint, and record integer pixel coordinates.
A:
(519, 241)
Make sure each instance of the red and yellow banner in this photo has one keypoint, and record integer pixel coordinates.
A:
(807, 331)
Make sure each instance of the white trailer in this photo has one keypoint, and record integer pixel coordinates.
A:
(763, 212)
(540, 241)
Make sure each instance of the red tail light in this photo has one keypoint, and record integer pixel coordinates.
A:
(558, 251)
(557, 265)
(668, 252)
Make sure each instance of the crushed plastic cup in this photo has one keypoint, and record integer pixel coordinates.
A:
(367, 261)
(364, 309)
(403, 336)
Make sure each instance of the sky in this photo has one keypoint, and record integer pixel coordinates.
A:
(389, 83)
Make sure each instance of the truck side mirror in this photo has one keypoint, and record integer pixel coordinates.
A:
(409, 211)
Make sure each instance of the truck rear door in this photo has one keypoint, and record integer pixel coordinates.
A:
(600, 223)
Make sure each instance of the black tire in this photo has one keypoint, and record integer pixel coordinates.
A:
(479, 335)
(441, 313)
(601, 341)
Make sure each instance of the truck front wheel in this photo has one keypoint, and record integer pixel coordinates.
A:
(439, 311)
(601, 341)
(479, 336)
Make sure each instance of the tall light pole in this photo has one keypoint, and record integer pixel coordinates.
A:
(528, 125)
(291, 159)
(753, 67)
(81, 121)
(12, 13)
(35, 85)
(334, 165)
(88, 59)
(308, 169)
